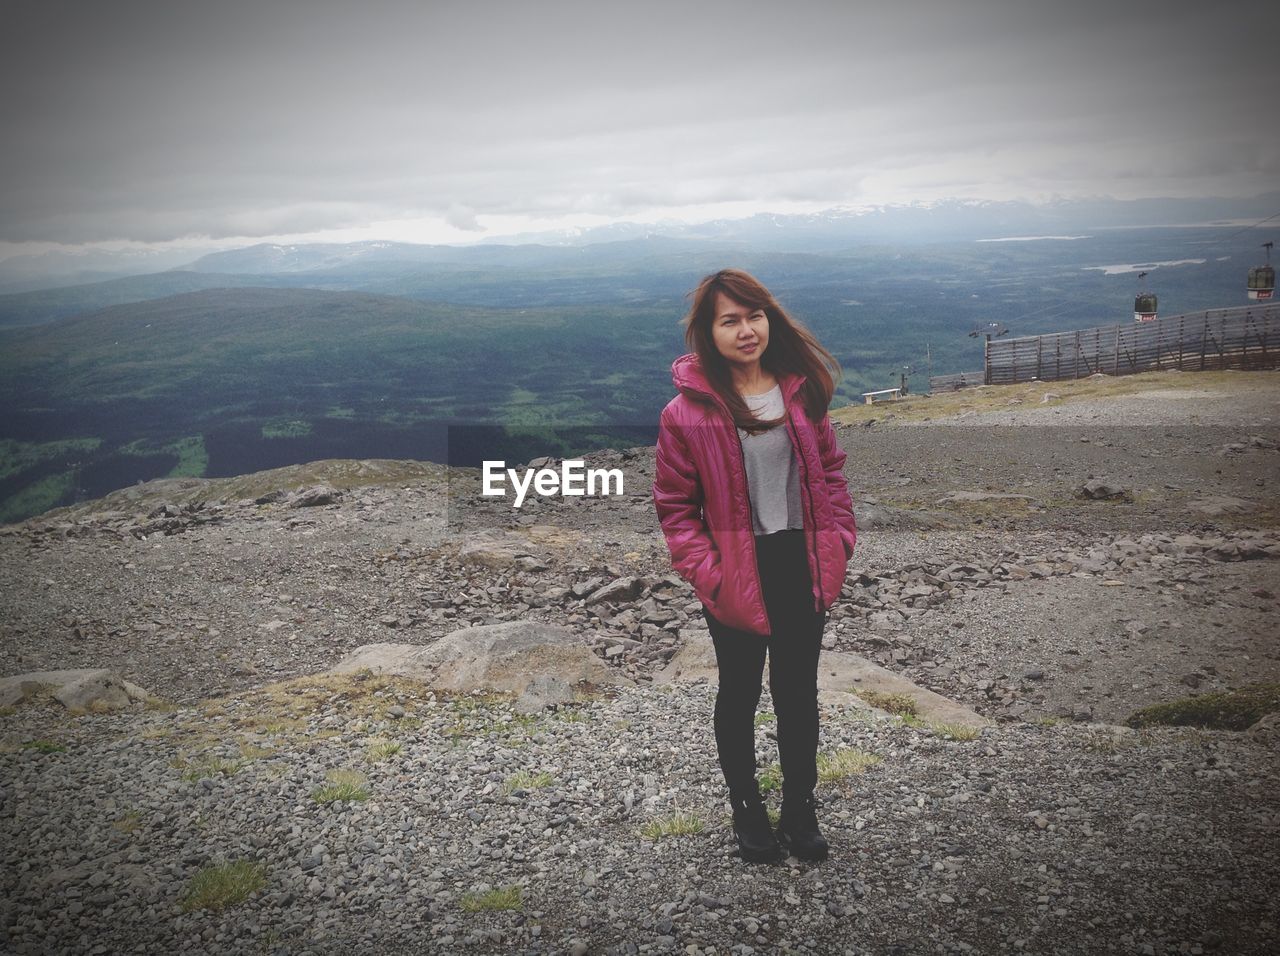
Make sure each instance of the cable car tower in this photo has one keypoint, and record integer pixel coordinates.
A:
(989, 331)
(1144, 304)
(1262, 279)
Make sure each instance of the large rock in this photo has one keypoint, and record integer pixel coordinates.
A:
(1215, 506)
(314, 497)
(1101, 489)
(840, 675)
(617, 591)
(500, 551)
(1266, 731)
(872, 515)
(541, 663)
(398, 660)
(81, 690)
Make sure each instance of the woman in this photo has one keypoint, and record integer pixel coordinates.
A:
(751, 495)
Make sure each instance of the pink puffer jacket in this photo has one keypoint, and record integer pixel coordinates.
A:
(700, 493)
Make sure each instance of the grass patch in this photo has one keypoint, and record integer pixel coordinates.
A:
(44, 746)
(95, 707)
(901, 704)
(841, 764)
(960, 732)
(524, 780)
(280, 711)
(524, 724)
(765, 717)
(1113, 743)
(673, 825)
(129, 821)
(1221, 710)
(407, 725)
(343, 785)
(499, 898)
(209, 767)
(771, 778)
(217, 887)
(382, 749)
(270, 725)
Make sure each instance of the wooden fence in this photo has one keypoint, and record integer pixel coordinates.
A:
(949, 383)
(1244, 337)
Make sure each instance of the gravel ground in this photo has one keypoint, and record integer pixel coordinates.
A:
(1037, 838)
(1049, 612)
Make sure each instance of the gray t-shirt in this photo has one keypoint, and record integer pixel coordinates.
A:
(773, 477)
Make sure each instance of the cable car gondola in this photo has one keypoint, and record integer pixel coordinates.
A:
(1144, 304)
(1262, 279)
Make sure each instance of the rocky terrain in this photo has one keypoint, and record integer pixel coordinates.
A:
(1052, 565)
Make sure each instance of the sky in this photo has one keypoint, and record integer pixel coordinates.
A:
(149, 123)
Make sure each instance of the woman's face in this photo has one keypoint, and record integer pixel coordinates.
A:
(740, 333)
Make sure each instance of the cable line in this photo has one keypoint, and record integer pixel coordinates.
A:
(1213, 240)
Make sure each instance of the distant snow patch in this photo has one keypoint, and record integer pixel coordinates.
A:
(1116, 270)
(1030, 238)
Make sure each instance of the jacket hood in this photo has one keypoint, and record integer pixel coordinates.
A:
(687, 375)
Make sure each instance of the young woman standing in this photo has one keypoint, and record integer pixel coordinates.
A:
(752, 499)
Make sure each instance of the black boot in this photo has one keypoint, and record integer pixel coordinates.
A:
(798, 831)
(756, 842)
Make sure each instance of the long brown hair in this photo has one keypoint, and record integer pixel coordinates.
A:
(792, 348)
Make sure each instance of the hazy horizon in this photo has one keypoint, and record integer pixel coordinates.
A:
(53, 260)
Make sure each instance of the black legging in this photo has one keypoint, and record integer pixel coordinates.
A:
(793, 648)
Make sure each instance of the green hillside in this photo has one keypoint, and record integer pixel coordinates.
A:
(225, 381)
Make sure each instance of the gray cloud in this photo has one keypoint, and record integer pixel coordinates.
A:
(156, 120)
(462, 217)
